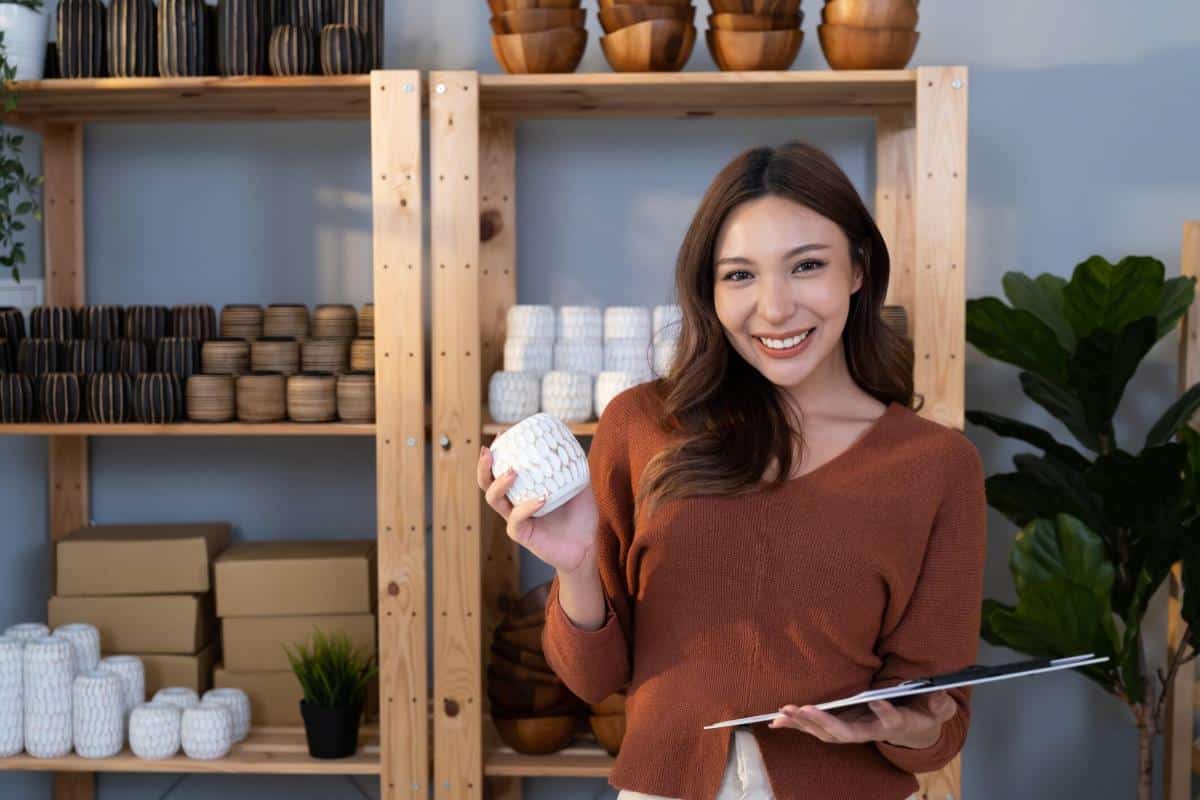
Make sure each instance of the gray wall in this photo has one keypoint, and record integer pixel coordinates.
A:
(1082, 123)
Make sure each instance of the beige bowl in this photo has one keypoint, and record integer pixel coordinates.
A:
(609, 730)
(656, 45)
(553, 51)
(871, 13)
(754, 50)
(616, 17)
(532, 20)
(867, 48)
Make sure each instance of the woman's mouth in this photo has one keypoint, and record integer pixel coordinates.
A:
(784, 348)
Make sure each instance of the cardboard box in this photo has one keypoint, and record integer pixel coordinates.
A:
(275, 696)
(255, 644)
(176, 624)
(139, 559)
(282, 579)
(195, 671)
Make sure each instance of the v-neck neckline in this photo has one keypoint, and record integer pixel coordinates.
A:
(861, 441)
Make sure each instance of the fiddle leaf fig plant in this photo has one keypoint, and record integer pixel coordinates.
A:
(18, 187)
(1100, 525)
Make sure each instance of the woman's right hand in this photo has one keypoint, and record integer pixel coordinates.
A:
(565, 538)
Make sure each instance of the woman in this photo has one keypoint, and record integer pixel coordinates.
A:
(772, 525)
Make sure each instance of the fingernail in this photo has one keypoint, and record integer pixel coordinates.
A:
(483, 450)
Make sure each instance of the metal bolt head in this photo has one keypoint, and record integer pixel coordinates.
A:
(411, 441)
(957, 84)
(440, 88)
(408, 87)
(444, 441)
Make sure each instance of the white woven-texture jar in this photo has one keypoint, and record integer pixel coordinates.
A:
(664, 356)
(529, 322)
(48, 674)
(27, 631)
(580, 322)
(528, 355)
(12, 702)
(567, 395)
(154, 730)
(182, 697)
(513, 396)
(629, 355)
(627, 322)
(239, 708)
(668, 322)
(98, 714)
(548, 459)
(228, 716)
(611, 384)
(48, 734)
(579, 355)
(132, 673)
(85, 639)
(206, 732)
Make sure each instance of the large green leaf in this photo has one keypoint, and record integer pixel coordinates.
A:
(1190, 555)
(1006, 426)
(1103, 363)
(1110, 296)
(1175, 417)
(1017, 337)
(1142, 490)
(1071, 491)
(1021, 498)
(1062, 405)
(1191, 477)
(1042, 297)
(1177, 296)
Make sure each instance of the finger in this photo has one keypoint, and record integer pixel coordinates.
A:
(483, 469)
(795, 720)
(496, 494)
(890, 718)
(837, 728)
(520, 529)
(942, 706)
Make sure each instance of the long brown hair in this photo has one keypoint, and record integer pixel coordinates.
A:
(730, 422)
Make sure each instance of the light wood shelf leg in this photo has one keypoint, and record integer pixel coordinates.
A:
(455, 178)
(396, 166)
(895, 160)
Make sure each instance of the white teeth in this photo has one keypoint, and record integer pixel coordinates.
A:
(783, 344)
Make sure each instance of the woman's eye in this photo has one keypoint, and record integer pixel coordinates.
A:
(810, 265)
(731, 275)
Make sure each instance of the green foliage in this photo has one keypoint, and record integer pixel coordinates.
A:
(1099, 531)
(15, 182)
(331, 671)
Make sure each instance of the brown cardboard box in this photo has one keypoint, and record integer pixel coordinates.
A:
(195, 671)
(178, 624)
(275, 696)
(281, 579)
(139, 559)
(255, 644)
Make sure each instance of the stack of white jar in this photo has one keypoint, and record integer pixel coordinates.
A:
(572, 362)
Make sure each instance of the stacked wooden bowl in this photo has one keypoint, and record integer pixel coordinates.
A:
(607, 721)
(536, 36)
(755, 34)
(647, 35)
(534, 712)
(868, 34)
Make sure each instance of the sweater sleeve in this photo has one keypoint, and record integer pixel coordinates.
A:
(595, 664)
(939, 631)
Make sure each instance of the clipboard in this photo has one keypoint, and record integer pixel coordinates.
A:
(976, 673)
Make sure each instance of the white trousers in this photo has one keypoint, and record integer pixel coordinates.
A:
(745, 775)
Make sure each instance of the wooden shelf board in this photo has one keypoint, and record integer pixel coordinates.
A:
(578, 761)
(193, 99)
(490, 428)
(699, 94)
(267, 751)
(192, 429)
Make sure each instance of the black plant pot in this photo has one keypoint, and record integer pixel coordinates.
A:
(331, 732)
(54, 322)
(343, 50)
(101, 322)
(82, 31)
(86, 356)
(39, 356)
(130, 357)
(147, 322)
(62, 397)
(12, 326)
(241, 37)
(132, 39)
(16, 399)
(178, 355)
(367, 16)
(109, 397)
(194, 322)
(183, 49)
(293, 50)
(157, 398)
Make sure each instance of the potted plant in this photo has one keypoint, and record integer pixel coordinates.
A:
(1101, 525)
(334, 677)
(23, 32)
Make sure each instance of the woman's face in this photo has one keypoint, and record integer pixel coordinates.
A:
(783, 280)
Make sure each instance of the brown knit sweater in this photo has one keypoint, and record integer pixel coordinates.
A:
(860, 574)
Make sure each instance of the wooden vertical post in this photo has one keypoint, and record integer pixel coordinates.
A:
(939, 277)
(70, 501)
(895, 160)
(457, 403)
(396, 179)
(1189, 343)
(497, 292)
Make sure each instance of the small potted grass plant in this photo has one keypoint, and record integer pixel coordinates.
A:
(334, 676)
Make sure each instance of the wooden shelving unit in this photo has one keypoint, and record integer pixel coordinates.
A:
(398, 749)
(920, 205)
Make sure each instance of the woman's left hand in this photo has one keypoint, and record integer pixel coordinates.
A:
(917, 724)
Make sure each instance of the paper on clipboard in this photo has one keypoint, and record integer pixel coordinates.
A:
(977, 673)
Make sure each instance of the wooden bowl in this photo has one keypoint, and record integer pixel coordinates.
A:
(656, 45)
(518, 655)
(871, 13)
(867, 48)
(531, 603)
(261, 397)
(616, 17)
(210, 398)
(515, 672)
(312, 397)
(768, 7)
(555, 50)
(755, 22)
(501, 6)
(613, 704)
(275, 354)
(532, 20)
(225, 356)
(325, 355)
(534, 698)
(676, 3)
(362, 355)
(536, 736)
(526, 638)
(334, 321)
(754, 50)
(366, 321)
(609, 730)
(241, 321)
(356, 397)
(289, 320)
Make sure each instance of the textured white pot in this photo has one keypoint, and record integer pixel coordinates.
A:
(528, 355)
(627, 322)
(664, 356)
(27, 631)
(513, 396)
(567, 395)
(579, 355)
(47, 734)
(12, 724)
(85, 639)
(668, 322)
(132, 673)
(529, 322)
(48, 674)
(154, 730)
(580, 322)
(206, 732)
(98, 714)
(611, 384)
(548, 458)
(238, 704)
(181, 697)
(11, 664)
(629, 355)
(25, 35)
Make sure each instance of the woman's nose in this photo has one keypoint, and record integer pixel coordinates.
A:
(775, 302)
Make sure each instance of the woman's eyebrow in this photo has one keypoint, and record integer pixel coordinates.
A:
(795, 251)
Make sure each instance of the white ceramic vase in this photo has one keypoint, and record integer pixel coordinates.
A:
(98, 714)
(182, 697)
(154, 730)
(48, 670)
(627, 322)
(629, 355)
(528, 355)
(529, 322)
(580, 322)
(48, 734)
(567, 395)
(132, 673)
(611, 384)
(513, 396)
(85, 639)
(668, 322)
(664, 356)
(239, 708)
(12, 701)
(27, 631)
(579, 355)
(26, 33)
(548, 458)
(206, 732)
